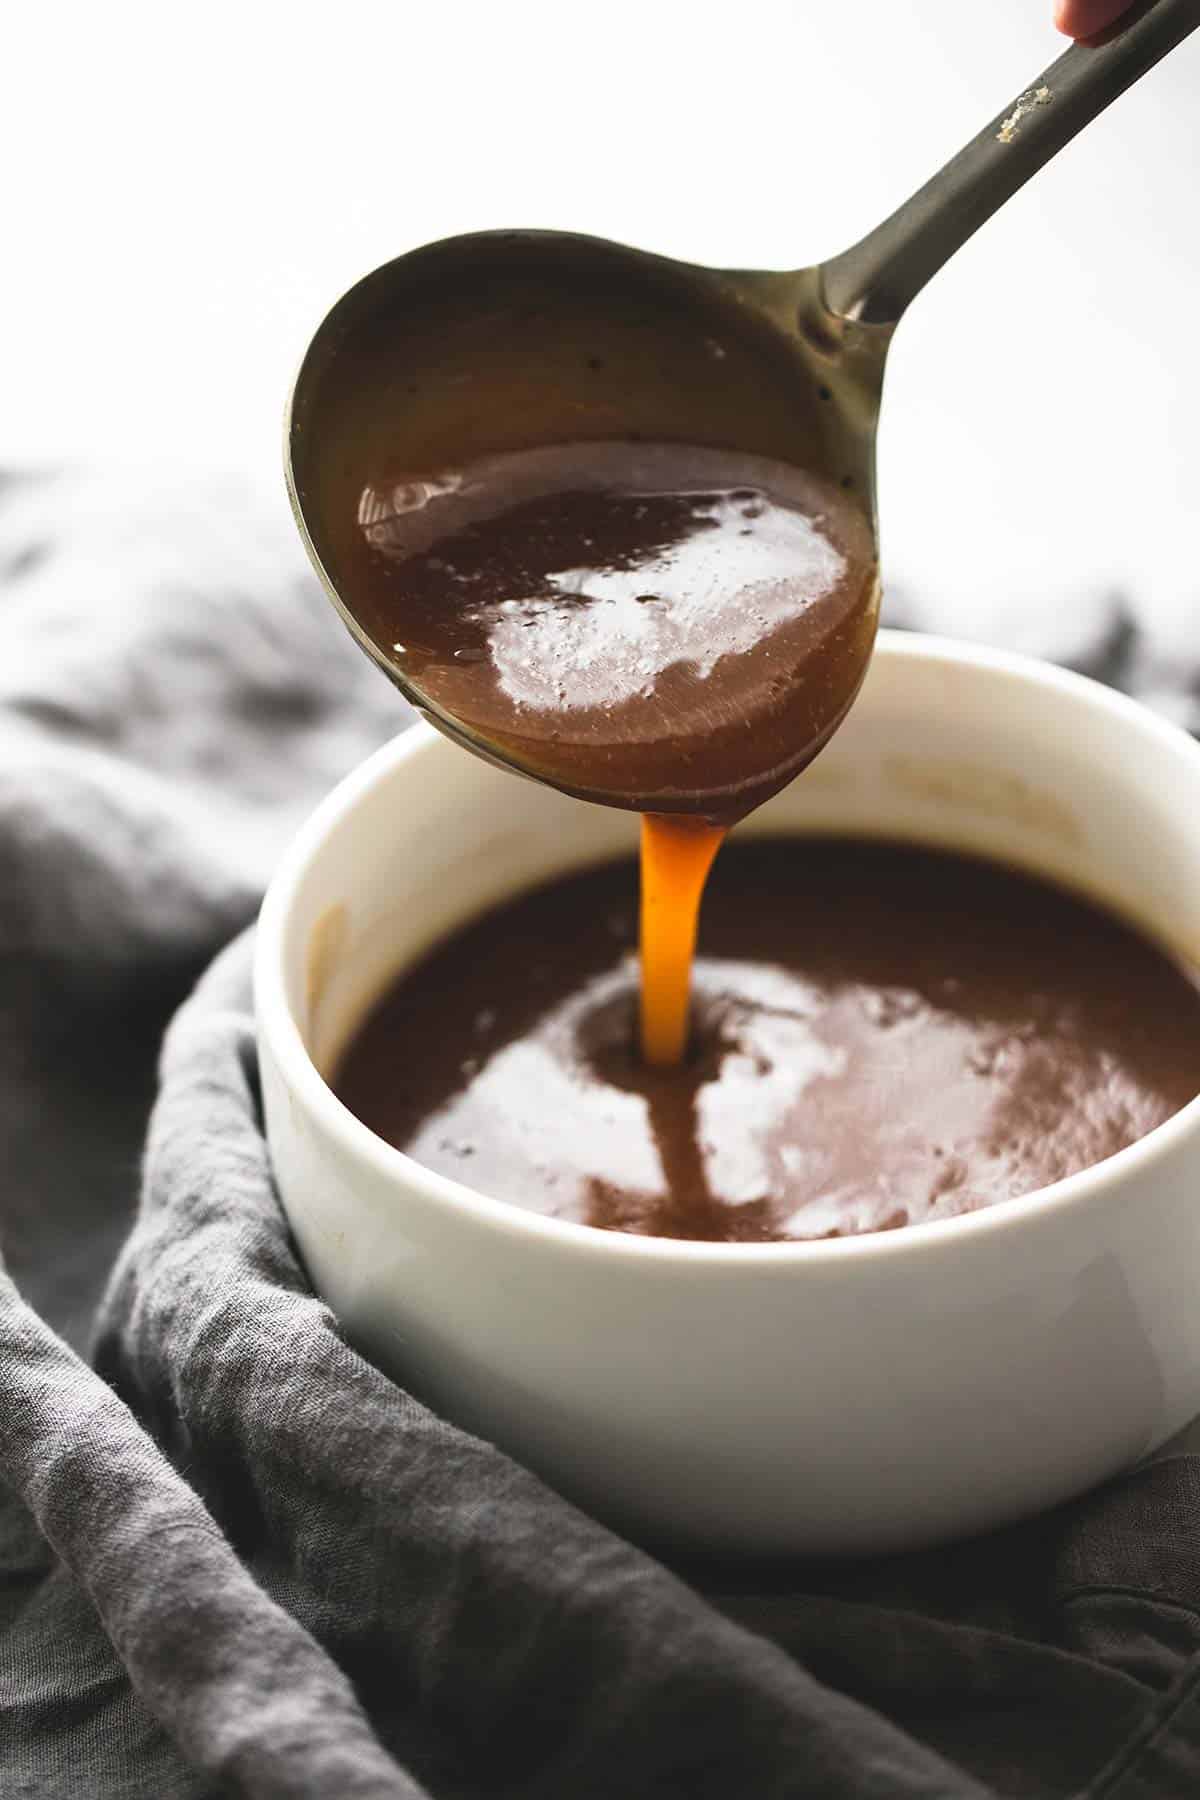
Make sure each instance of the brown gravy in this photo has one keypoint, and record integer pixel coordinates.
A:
(681, 628)
(883, 1036)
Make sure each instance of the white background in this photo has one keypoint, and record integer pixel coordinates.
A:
(187, 189)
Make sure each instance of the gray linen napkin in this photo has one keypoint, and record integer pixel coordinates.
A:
(234, 1558)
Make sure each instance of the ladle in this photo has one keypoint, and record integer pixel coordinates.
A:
(490, 342)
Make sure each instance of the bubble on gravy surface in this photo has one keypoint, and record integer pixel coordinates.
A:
(883, 1036)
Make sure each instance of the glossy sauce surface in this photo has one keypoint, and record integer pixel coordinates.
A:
(677, 629)
(883, 1036)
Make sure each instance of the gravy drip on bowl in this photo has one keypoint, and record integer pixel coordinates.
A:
(884, 1036)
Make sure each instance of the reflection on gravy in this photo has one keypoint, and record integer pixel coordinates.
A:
(883, 1036)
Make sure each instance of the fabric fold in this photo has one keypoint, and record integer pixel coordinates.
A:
(226, 1671)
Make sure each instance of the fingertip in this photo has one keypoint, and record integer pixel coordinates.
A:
(1085, 19)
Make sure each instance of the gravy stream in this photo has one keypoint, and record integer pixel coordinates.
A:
(676, 856)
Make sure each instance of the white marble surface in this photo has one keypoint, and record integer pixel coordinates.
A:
(187, 189)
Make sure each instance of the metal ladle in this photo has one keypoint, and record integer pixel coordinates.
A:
(509, 339)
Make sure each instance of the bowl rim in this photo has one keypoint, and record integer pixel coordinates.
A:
(277, 1027)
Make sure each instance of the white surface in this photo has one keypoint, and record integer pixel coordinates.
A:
(733, 1395)
(188, 189)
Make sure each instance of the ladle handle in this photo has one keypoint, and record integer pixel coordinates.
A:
(875, 279)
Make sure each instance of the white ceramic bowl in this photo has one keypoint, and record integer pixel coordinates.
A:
(850, 1395)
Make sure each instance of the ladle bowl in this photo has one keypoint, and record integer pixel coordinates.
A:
(509, 340)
